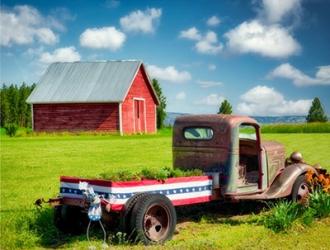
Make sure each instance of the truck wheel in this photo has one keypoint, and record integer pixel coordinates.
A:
(69, 219)
(153, 219)
(300, 190)
(127, 212)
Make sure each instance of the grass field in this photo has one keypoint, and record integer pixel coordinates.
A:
(31, 166)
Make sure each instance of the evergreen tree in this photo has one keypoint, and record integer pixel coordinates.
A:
(161, 108)
(4, 115)
(225, 108)
(316, 113)
(14, 109)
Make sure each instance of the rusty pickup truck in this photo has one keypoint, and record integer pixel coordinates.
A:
(237, 165)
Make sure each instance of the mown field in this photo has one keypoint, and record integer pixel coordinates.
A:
(31, 166)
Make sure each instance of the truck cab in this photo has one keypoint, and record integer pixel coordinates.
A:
(230, 149)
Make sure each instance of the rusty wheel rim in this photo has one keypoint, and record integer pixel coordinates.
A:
(303, 193)
(156, 223)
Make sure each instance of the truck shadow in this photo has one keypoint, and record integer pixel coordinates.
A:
(214, 213)
(221, 213)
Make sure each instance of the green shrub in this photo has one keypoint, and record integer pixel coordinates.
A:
(319, 202)
(11, 129)
(159, 174)
(282, 215)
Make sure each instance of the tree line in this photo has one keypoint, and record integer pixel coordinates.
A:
(315, 113)
(14, 109)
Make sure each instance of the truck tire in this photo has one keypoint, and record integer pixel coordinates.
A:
(300, 190)
(127, 212)
(153, 219)
(70, 219)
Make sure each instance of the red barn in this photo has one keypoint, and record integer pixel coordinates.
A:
(112, 96)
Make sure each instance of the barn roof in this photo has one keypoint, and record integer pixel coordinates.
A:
(86, 82)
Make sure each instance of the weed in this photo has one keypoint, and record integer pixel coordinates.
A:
(282, 215)
(11, 129)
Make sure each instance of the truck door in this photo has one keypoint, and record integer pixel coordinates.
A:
(249, 170)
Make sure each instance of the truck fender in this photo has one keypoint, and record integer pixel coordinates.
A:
(283, 183)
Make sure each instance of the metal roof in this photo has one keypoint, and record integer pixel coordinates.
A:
(81, 82)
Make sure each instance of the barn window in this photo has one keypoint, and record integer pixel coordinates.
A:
(198, 133)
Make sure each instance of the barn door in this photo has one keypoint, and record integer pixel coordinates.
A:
(139, 116)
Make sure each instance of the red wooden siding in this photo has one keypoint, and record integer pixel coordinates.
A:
(76, 117)
(140, 90)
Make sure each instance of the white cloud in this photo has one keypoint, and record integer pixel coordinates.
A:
(213, 21)
(24, 25)
(102, 38)
(66, 54)
(205, 44)
(286, 70)
(191, 33)
(212, 67)
(209, 44)
(211, 100)
(208, 84)
(263, 100)
(169, 73)
(274, 10)
(181, 96)
(141, 21)
(267, 40)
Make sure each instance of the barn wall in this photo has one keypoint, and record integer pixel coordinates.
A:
(76, 117)
(139, 89)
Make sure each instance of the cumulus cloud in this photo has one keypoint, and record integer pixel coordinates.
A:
(102, 38)
(213, 21)
(263, 100)
(286, 70)
(169, 73)
(205, 44)
(211, 100)
(264, 34)
(66, 54)
(208, 84)
(209, 44)
(267, 40)
(141, 21)
(274, 11)
(191, 33)
(23, 25)
(180, 96)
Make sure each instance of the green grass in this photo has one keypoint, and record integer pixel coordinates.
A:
(315, 127)
(31, 166)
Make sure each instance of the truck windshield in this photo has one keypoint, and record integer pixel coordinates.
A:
(198, 133)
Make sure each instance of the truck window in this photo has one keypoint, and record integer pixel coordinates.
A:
(198, 133)
(247, 132)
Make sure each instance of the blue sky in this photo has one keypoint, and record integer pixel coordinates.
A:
(267, 57)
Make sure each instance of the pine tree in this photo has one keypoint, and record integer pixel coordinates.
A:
(161, 108)
(4, 106)
(225, 108)
(316, 112)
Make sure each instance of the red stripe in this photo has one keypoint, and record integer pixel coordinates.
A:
(180, 202)
(190, 201)
(107, 183)
(117, 207)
